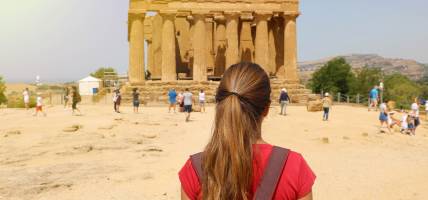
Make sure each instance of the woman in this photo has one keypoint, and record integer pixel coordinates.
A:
(326, 104)
(75, 98)
(26, 96)
(117, 98)
(66, 97)
(135, 99)
(383, 116)
(236, 156)
(284, 99)
(202, 100)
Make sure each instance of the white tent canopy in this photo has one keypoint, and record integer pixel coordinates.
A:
(89, 85)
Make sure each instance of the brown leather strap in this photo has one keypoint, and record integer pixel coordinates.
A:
(272, 173)
(197, 165)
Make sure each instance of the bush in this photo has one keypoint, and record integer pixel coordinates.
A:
(401, 89)
(335, 76)
(3, 98)
(17, 101)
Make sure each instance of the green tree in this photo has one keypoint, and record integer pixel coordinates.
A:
(101, 71)
(365, 79)
(335, 76)
(401, 89)
(3, 98)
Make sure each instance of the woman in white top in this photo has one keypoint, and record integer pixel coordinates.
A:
(426, 110)
(26, 95)
(202, 100)
(415, 110)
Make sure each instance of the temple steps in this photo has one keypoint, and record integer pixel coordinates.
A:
(155, 92)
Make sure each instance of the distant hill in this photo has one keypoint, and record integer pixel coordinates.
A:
(410, 68)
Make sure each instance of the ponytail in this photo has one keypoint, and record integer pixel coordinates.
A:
(243, 95)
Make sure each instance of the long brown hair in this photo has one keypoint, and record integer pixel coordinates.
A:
(242, 99)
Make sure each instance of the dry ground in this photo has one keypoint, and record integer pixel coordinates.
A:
(137, 156)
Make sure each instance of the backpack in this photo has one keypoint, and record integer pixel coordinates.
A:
(270, 178)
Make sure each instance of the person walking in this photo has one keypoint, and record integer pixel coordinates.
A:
(117, 98)
(75, 99)
(326, 104)
(187, 102)
(284, 100)
(374, 98)
(26, 97)
(180, 100)
(415, 111)
(172, 97)
(426, 110)
(135, 99)
(202, 100)
(383, 116)
(66, 97)
(237, 163)
(39, 105)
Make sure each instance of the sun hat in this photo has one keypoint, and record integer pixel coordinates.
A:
(284, 90)
(326, 94)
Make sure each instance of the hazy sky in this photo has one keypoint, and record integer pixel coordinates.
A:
(64, 40)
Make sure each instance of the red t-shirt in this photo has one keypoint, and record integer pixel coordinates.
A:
(296, 180)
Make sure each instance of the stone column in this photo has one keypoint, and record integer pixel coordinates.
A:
(169, 72)
(262, 40)
(150, 61)
(246, 46)
(219, 44)
(232, 49)
(290, 48)
(136, 48)
(209, 23)
(199, 48)
(272, 46)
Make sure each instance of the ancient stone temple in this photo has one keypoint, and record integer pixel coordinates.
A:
(192, 41)
(197, 40)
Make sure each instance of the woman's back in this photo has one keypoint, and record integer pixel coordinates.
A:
(295, 182)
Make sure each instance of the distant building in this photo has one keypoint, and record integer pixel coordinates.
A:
(89, 86)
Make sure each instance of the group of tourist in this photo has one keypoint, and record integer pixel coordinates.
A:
(185, 101)
(408, 123)
(69, 93)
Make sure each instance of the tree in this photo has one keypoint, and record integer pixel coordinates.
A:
(335, 76)
(365, 79)
(101, 71)
(401, 89)
(3, 98)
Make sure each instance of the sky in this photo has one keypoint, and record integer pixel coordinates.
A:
(66, 40)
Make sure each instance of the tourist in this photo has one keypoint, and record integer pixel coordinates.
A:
(187, 102)
(172, 96)
(392, 121)
(373, 98)
(39, 105)
(415, 110)
(117, 98)
(284, 99)
(66, 97)
(135, 99)
(180, 101)
(326, 105)
(383, 116)
(236, 157)
(411, 120)
(426, 110)
(75, 99)
(202, 100)
(26, 97)
(405, 123)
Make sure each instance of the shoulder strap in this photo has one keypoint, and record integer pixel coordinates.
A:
(272, 173)
(197, 165)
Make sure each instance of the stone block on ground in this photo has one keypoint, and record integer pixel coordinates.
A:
(314, 106)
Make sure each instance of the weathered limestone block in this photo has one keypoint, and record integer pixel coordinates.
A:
(314, 106)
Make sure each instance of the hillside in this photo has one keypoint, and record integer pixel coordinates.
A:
(410, 68)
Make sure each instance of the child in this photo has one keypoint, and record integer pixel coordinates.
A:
(404, 123)
(39, 105)
(411, 124)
